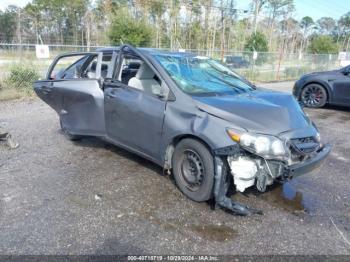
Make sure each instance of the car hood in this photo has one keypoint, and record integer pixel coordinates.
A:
(264, 112)
(332, 72)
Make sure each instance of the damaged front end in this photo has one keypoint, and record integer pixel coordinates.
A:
(259, 160)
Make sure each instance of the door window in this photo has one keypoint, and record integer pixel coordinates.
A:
(90, 69)
(68, 67)
(81, 65)
(137, 74)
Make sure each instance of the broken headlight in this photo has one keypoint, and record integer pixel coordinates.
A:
(266, 146)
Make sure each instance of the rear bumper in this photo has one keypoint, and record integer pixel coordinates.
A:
(309, 164)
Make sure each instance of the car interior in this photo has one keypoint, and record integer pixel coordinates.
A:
(83, 67)
(90, 69)
(137, 74)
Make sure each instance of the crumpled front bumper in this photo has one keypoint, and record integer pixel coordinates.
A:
(309, 164)
(282, 173)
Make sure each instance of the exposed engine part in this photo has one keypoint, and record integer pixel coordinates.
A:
(220, 191)
(265, 176)
(244, 171)
(248, 171)
(262, 181)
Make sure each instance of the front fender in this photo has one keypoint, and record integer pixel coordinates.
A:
(180, 123)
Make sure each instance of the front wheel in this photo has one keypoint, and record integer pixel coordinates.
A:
(193, 169)
(314, 95)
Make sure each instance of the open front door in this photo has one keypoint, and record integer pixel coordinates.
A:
(135, 105)
(73, 90)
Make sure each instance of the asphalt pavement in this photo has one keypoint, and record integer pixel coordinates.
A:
(90, 197)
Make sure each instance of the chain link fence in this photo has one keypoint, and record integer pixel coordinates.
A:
(273, 66)
(19, 64)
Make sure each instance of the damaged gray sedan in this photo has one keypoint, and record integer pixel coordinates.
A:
(189, 114)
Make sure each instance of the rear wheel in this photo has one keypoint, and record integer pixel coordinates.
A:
(193, 169)
(314, 95)
(68, 135)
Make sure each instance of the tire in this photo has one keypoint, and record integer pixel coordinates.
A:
(314, 95)
(68, 135)
(193, 169)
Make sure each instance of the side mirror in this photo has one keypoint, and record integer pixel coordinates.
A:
(162, 92)
(165, 93)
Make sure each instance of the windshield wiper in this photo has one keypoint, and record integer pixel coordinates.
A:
(228, 73)
(227, 82)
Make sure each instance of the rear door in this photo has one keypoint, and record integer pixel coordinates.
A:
(73, 89)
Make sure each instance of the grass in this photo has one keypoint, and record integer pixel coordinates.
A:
(7, 94)
(17, 83)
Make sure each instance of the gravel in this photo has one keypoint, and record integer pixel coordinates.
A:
(90, 197)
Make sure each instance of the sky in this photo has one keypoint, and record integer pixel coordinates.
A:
(313, 8)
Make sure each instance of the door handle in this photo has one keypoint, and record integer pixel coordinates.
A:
(45, 89)
(111, 95)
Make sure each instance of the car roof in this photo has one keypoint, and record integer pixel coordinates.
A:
(150, 51)
(108, 49)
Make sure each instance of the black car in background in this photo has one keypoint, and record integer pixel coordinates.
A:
(321, 88)
(236, 62)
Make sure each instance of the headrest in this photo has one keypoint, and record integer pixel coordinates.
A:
(104, 67)
(134, 65)
(144, 72)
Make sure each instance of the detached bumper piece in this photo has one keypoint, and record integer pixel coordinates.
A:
(220, 193)
(6, 136)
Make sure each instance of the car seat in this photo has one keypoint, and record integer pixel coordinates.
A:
(144, 80)
(92, 70)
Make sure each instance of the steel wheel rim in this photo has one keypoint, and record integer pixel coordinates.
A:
(313, 96)
(192, 170)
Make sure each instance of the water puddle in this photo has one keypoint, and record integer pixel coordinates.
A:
(325, 115)
(220, 233)
(345, 117)
(286, 197)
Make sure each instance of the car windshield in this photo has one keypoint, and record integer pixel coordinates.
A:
(197, 75)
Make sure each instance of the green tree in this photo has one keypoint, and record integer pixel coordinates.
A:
(8, 24)
(323, 45)
(306, 22)
(256, 42)
(127, 30)
(344, 28)
(326, 25)
(157, 9)
(277, 8)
